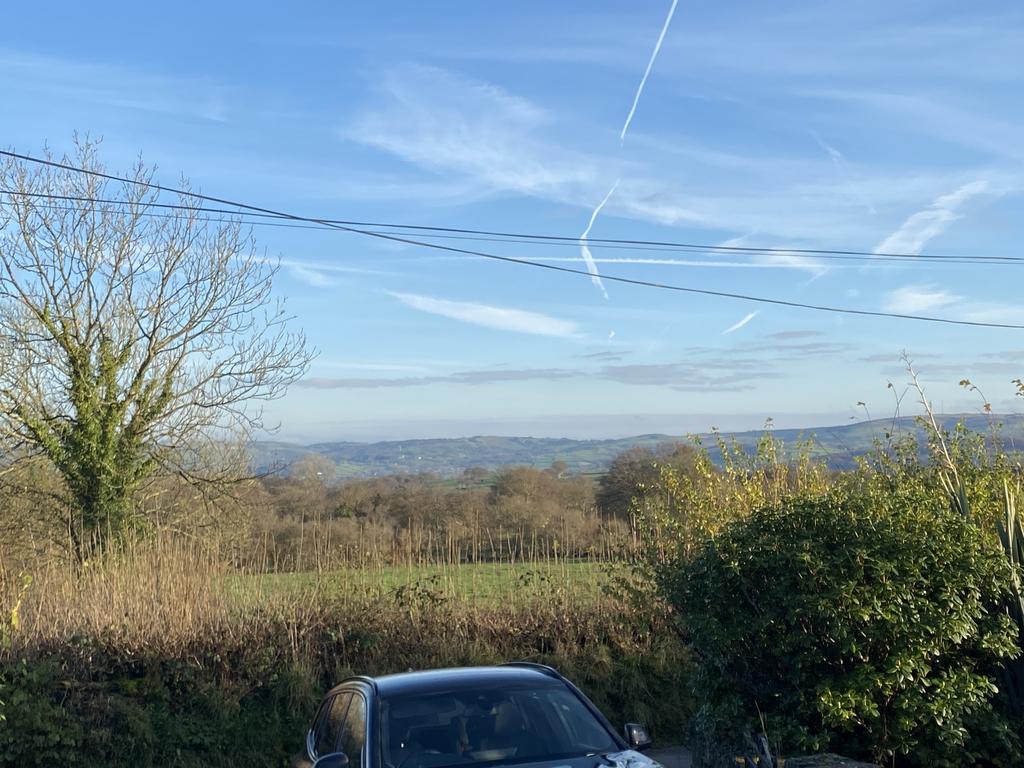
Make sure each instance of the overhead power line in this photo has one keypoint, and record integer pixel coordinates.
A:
(82, 204)
(484, 235)
(334, 224)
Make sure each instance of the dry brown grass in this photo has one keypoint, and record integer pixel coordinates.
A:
(158, 597)
(168, 595)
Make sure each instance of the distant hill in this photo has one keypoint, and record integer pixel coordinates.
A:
(838, 445)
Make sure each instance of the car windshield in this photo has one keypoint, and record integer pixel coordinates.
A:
(489, 725)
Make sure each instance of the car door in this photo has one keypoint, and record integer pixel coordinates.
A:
(325, 735)
(354, 731)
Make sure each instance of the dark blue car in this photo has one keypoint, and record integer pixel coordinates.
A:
(514, 714)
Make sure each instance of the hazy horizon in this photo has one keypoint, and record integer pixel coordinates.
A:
(582, 428)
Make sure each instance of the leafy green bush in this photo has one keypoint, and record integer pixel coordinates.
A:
(850, 625)
(130, 712)
(36, 730)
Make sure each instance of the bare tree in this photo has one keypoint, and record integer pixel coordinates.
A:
(134, 340)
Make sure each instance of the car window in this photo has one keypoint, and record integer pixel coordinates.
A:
(494, 726)
(579, 722)
(353, 731)
(329, 728)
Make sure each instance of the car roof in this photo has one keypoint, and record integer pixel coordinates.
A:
(465, 677)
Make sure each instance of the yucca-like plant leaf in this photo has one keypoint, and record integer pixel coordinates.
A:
(1011, 535)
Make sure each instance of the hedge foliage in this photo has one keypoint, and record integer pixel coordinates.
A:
(246, 700)
(852, 624)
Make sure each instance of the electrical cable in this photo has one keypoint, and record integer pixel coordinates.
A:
(525, 238)
(511, 259)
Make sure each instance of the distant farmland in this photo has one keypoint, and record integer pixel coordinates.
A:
(837, 445)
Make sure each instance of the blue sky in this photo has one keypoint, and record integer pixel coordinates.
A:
(867, 126)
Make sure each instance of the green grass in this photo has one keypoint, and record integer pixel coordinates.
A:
(485, 584)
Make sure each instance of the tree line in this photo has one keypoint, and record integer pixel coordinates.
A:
(512, 513)
(299, 519)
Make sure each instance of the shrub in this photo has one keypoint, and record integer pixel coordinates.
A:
(146, 712)
(849, 625)
(680, 510)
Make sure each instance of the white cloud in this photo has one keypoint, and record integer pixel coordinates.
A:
(315, 272)
(346, 365)
(740, 241)
(920, 228)
(736, 326)
(918, 299)
(502, 318)
(118, 87)
(439, 120)
(780, 259)
(790, 260)
(991, 312)
(311, 277)
(957, 124)
(493, 141)
(912, 299)
(843, 172)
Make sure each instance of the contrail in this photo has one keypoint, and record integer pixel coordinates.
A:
(588, 257)
(643, 80)
(595, 276)
(705, 263)
(740, 324)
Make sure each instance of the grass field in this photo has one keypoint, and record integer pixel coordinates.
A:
(484, 584)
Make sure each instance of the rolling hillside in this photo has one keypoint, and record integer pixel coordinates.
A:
(838, 445)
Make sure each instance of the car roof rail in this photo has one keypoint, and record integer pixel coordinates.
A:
(542, 668)
(365, 679)
(371, 681)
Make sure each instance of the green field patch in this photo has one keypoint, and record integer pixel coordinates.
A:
(486, 584)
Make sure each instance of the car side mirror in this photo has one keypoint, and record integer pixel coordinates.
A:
(637, 736)
(333, 760)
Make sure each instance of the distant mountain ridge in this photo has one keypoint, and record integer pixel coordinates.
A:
(838, 445)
